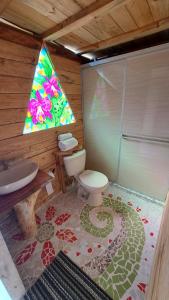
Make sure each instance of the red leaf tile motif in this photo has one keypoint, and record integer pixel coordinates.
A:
(48, 253)
(38, 219)
(138, 209)
(66, 235)
(129, 298)
(142, 286)
(26, 253)
(62, 218)
(18, 236)
(50, 213)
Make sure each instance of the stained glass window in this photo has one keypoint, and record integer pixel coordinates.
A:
(48, 105)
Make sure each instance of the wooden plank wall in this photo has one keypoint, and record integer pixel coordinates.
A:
(17, 66)
(158, 287)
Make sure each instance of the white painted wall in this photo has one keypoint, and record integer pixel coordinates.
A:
(9, 276)
(131, 97)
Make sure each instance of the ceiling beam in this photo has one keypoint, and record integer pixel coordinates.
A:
(3, 5)
(81, 18)
(18, 36)
(127, 36)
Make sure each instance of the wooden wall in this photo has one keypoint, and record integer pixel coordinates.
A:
(17, 66)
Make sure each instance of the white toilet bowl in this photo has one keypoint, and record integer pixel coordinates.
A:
(94, 183)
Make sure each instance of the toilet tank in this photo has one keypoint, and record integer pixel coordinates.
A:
(75, 163)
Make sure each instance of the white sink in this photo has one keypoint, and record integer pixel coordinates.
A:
(17, 176)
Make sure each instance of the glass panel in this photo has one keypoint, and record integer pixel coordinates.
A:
(102, 96)
(146, 103)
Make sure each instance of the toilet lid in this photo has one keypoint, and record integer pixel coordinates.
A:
(93, 179)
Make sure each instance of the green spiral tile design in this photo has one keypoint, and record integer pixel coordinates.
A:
(120, 273)
(102, 216)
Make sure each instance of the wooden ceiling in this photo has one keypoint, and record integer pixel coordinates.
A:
(88, 25)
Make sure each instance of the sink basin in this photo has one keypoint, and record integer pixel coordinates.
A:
(17, 176)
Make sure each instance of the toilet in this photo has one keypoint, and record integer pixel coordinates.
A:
(91, 182)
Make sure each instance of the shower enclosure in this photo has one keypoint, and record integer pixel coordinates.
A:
(126, 120)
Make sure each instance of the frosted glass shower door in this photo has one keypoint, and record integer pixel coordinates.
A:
(144, 157)
(102, 102)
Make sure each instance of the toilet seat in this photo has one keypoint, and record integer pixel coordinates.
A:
(92, 180)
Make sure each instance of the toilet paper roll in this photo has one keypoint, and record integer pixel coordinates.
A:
(64, 136)
(68, 144)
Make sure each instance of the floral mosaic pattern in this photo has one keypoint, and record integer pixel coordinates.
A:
(26, 253)
(114, 243)
(61, 219)
(45, 233)
(89, 227)
(48, 253)
(48, 106)
(66, 235)
(118, 269)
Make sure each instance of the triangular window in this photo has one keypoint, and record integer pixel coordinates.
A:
(48, 106)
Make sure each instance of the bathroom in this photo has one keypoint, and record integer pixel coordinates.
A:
(84, 155)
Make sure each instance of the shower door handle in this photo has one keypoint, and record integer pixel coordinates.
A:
(145, 139)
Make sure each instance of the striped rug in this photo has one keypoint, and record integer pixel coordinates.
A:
(64, 280)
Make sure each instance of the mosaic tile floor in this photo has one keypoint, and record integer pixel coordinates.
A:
(114, 244)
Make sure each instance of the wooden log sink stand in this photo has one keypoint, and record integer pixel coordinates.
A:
(23, 201)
